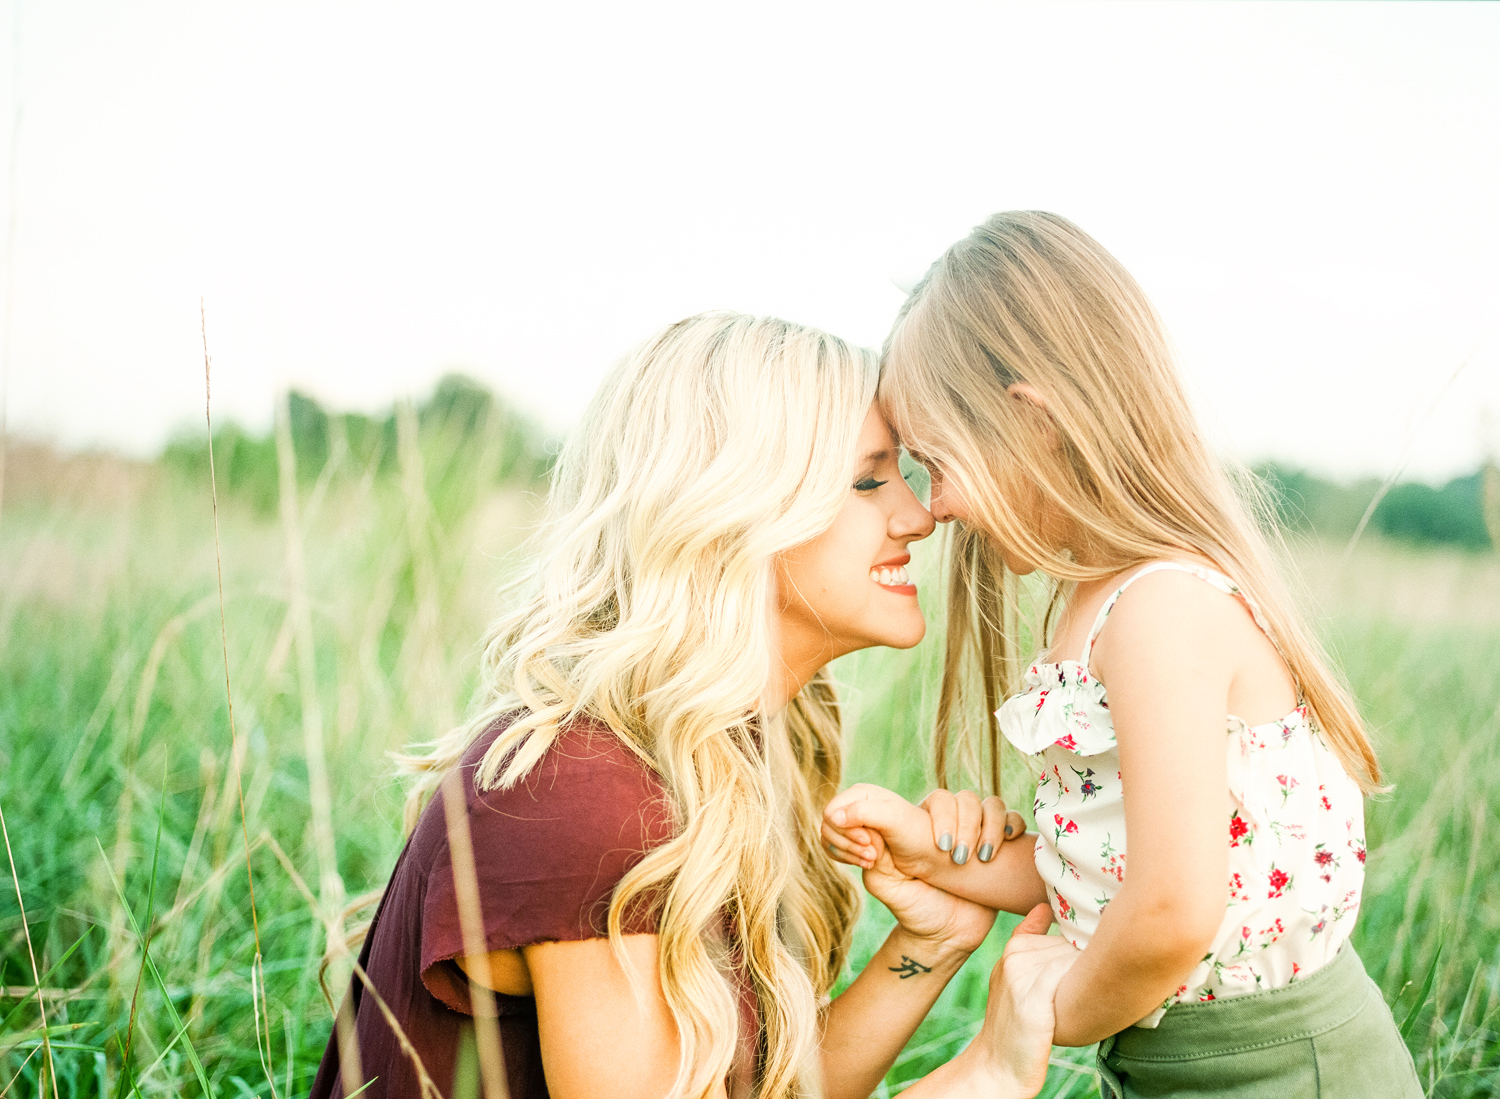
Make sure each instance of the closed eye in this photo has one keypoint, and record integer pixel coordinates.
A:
(869, 484)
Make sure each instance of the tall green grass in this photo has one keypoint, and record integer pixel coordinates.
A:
(354, 601)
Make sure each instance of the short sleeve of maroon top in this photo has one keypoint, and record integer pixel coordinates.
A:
(548, 853)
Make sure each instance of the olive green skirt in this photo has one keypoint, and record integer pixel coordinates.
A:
(1325, 1037)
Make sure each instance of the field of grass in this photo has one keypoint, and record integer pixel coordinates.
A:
(352, 611)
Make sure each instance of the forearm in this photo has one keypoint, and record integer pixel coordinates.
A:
(870, 1022)
(1121, 978)
(1008, 882)
(967, 1077)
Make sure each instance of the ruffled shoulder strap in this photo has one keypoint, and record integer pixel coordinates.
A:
(1209, 576)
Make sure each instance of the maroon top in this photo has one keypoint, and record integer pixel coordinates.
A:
(548, 852)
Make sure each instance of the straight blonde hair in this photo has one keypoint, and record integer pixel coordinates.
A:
(716, 445)
(1029, 297)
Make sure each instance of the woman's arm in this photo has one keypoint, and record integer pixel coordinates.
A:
(869, 1023)
(1169, 664)
(597, 1037)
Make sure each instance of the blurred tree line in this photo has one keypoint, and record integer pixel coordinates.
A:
(468, 438)
(465, 438)
(1464, 513)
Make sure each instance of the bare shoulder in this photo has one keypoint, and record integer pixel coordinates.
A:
(1171, 616)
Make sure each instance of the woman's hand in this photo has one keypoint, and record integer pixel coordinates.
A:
(1016, 1039)
(925, 912)
(946, 828)
(1008, 1057)
(904, 847)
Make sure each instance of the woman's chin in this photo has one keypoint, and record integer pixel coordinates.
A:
(906, 638)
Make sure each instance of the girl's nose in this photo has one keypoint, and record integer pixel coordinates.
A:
(941, 499)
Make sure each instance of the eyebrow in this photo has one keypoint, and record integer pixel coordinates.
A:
(884, 452)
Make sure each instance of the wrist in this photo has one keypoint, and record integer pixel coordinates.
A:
(986, 1078)
(942, 953)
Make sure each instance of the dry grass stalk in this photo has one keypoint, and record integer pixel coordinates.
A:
(1491, 502)
(36, 975)
(330, 884)
(336, 941)
(1413, 429)
(238, 755)
(425, 641)
(471, 926)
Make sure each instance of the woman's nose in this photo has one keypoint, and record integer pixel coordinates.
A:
(912, 521)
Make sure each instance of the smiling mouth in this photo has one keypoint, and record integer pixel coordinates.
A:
(890, 578)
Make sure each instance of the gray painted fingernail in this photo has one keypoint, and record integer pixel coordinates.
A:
(945, 842)
(1009, 830)
(986, 852)
(961, 854)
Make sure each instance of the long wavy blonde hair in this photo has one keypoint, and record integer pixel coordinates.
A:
(1029, 297)
(716, 445)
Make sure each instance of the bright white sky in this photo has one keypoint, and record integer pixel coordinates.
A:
(367, 195)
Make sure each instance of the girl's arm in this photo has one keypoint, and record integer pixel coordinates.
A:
(865, 822)
(1169, 658)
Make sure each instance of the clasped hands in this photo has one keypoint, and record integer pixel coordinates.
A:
(898, 845)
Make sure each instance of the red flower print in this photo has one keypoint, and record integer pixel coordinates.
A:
(1041, 699)
(1278, 880)
(1288, 784)
(1067, 741)
(1207, 996)
(1238, 830)
(1064, 909)
(1359, 853)
(1237, 890)
(1296, 971)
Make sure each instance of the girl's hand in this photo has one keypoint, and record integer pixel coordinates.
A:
(1016, 1039)
(864, 820)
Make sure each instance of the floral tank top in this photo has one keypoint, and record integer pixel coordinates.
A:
(1295, 831)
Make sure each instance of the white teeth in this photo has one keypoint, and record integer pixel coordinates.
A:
(890, 577)
(875, 575)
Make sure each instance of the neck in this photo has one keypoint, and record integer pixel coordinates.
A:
(797, 659)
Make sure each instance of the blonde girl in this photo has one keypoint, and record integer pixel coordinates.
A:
(615, 884)
(1208, 866)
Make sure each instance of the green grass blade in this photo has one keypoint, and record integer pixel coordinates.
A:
(1410, 1022)
(135, 994)
(5, 1023)
(187, 1043)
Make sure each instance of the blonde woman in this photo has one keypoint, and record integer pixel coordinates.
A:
(1032, 375)
(614, 884)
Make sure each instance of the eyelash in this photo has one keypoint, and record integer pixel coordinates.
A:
(869, 484)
